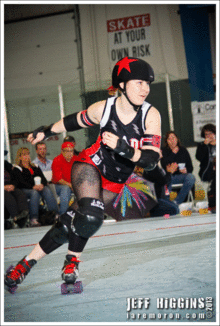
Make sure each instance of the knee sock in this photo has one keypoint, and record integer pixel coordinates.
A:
(76, 242)
(47, 244)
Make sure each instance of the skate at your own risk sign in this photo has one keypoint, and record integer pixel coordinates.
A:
(129, 36)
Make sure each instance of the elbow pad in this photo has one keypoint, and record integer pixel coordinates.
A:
(70, 122)
(148, 159)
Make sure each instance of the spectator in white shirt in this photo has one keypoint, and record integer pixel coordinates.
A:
(41, 160)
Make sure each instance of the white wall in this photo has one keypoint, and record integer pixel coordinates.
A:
(41, 54)
(168, 54)
(44, 45)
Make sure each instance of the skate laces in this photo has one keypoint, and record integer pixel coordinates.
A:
(70, 268)
(18, 271)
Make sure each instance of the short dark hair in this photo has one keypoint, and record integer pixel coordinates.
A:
(208, 127)
(40, 143)
(69, 138)
(166, 137)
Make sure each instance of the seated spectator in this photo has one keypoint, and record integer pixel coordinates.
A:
(61, 175)
(160, 179)
(72, 140)
(25, 174)
(206, 155)
(206, 152)
(15, 201)
(41, 160)
(212, 191)
(176, 160)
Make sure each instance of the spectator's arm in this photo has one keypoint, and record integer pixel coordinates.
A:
(43, 179)
(21, 182)
(65, 183)
(189, 166)
(201, 152)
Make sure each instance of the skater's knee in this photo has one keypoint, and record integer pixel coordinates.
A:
(59, 232)
(89, 218)
(55, 237)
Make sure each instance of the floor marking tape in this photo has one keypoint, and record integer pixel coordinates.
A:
(128, 232)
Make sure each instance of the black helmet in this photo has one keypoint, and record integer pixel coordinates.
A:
(131, 68)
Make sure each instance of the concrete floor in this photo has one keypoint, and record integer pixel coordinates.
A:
(152, 259)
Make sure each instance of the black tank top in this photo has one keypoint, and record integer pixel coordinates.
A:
(112, 165)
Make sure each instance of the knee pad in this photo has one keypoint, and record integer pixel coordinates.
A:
(89, 218)
(59, 232)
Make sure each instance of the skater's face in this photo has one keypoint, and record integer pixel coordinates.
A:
(137, 90)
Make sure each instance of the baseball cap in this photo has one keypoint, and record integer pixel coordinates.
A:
(67, 144)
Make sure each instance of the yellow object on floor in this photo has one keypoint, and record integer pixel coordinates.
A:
(186, 213)
(203, 211)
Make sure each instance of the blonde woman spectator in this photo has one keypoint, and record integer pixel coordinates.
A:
(25, 173)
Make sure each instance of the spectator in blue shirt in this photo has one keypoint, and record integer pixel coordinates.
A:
(41, 161)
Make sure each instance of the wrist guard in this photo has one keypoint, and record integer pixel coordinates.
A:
(124, 149)
(46, 130)
(148, 159)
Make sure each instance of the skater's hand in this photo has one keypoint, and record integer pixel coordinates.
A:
(40, 136)
(38, 187)
(184, 170)
(110, 139)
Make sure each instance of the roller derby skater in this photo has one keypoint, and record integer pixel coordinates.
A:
(130, 135)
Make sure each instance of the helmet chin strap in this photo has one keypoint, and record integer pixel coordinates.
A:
(135, 107)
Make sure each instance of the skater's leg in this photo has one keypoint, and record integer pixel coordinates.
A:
(37, 253)
(87, 216)
(78, 242)
(108, 196)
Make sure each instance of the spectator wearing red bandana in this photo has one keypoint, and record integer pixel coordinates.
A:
(61, 174)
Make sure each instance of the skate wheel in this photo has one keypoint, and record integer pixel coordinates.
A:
(71, 288)
(12, 289)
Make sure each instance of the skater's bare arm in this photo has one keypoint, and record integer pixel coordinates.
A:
(73, 122)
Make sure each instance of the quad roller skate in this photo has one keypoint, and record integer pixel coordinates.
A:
(16, 275)
(69, 274)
